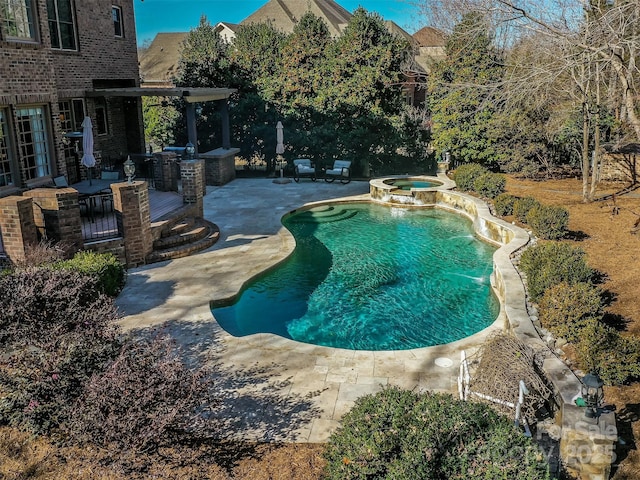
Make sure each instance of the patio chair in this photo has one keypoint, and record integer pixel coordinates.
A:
(109, 175)
(60, 181)
(302, 167)
(341, 170)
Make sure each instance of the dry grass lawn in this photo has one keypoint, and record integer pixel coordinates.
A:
(603, 229)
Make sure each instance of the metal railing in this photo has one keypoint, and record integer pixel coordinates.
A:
(99, 220)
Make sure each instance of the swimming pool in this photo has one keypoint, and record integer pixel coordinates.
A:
(366, 276)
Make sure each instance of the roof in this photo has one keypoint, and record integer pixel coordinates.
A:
(284, 14)
(231, 26)
(159, 62)
(430, 37)
(397, 30)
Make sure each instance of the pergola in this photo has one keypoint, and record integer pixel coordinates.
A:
(191, 95)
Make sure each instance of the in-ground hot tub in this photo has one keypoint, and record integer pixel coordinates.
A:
(410, 190)
(410, 183)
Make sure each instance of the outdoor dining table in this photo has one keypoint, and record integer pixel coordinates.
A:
(89, 190)
(93, 187)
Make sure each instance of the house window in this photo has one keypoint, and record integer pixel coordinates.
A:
(6, 177)
(18, 19)
(116, 13)
(101, 118)
(33, 136)
(61, 24)
(72, 113)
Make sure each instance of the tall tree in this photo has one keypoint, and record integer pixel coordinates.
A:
(596, 38)
(255, 55)
(461, 101)
(204, 59)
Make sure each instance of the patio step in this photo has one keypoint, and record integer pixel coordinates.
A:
(186, 237)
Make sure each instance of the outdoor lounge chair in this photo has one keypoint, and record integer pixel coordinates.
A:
(341, 170)
(302, 167)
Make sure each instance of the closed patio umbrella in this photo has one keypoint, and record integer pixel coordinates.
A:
(280, 138)
(88, 159)
(280, 151)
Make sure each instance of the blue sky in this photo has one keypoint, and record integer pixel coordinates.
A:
(153, 16)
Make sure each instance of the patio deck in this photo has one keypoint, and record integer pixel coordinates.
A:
(270, 388)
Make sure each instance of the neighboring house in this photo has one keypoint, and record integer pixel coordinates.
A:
(227, 31)
(284, 14)
(429, 47)
(55, 56)
(159, 61)
(430, 44)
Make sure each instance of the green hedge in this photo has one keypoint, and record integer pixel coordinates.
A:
(548, 264)
(548, 222)
(489, 185)
(466, 175)
(565, 309)
(602, 349)
(503, 204)
(522, 206)
(110, 273)
(399, 434)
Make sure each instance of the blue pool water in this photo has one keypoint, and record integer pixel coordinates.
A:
(365, 276)
(408, 184)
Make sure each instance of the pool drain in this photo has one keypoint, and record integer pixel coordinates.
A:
(444, 362)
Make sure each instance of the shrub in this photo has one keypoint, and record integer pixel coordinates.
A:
(466, 175)
(548, 264)
(56, 330)
(489, 184)
(565, 309)
(503, 204)
(145, 396)
(548, 222)
(109, 272)
(401, 434)
(614, 356)
(522, 206)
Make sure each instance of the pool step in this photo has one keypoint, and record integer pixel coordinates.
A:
(331, 214)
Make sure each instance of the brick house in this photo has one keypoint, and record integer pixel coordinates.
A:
(55, 55)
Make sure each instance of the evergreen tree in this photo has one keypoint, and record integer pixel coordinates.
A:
(462, 110)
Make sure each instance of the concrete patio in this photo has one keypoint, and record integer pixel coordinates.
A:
(272, 389)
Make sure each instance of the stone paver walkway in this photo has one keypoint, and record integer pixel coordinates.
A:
(273, 389)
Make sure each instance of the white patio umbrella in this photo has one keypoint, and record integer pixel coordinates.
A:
(88, 159)
(280, 138)
(280, 151)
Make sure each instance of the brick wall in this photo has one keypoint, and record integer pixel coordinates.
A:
(101, 55)
(17, 226)
(34, 73)
(57, 215)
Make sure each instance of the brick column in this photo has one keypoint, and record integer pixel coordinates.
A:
(165, 171)
(192, 174)
(131, 203)
(17, 226)
(57, 215)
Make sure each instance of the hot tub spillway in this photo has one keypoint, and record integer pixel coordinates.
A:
(401, 196)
